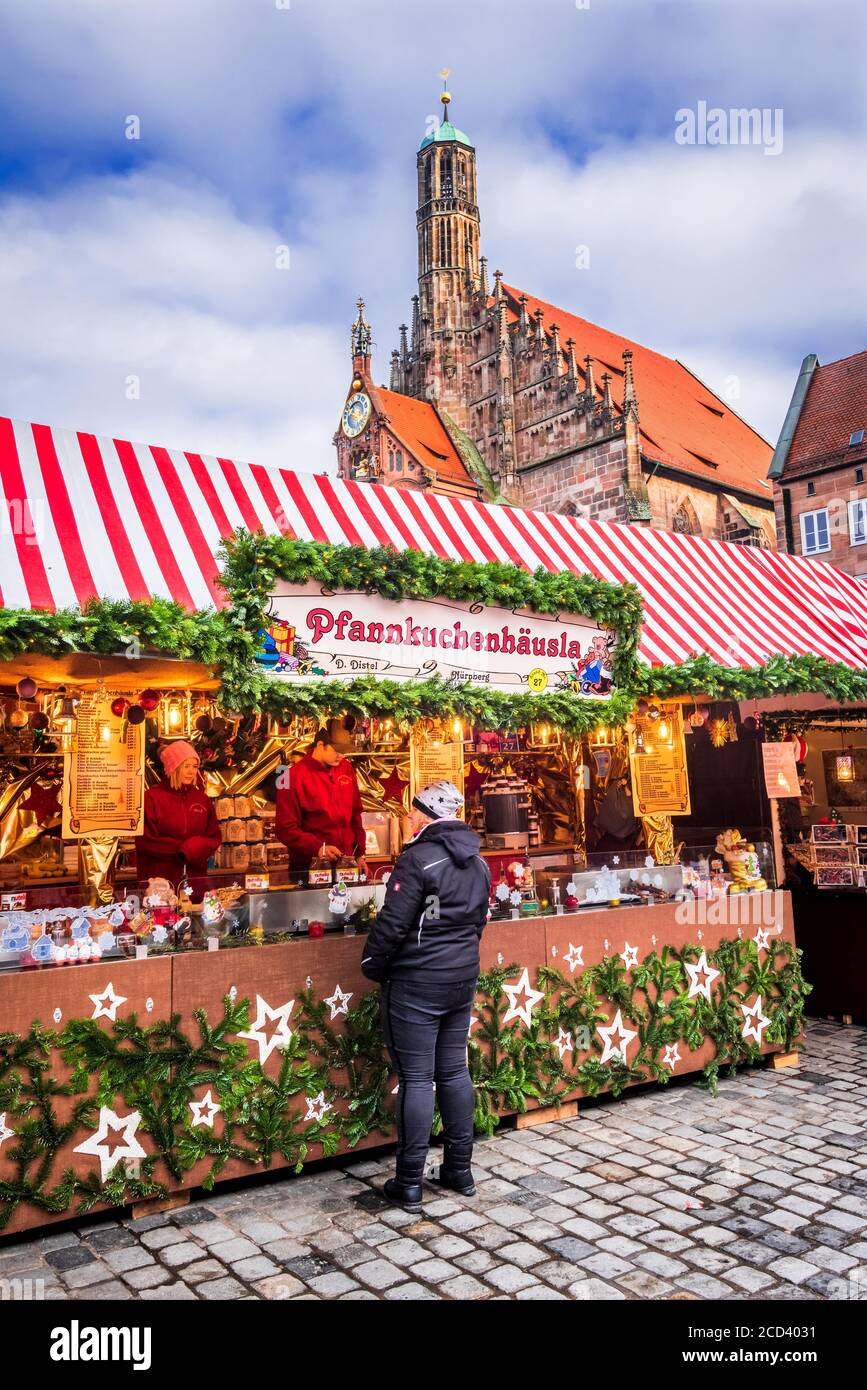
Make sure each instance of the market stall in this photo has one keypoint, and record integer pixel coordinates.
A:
(584, 682)
(821, 837)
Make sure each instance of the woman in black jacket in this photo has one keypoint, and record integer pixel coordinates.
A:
(424, 951)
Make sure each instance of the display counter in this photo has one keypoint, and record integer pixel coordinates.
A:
(276, 1057)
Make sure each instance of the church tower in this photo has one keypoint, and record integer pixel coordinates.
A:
(449, 272)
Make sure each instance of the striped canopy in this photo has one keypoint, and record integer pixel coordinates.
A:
(83, 516)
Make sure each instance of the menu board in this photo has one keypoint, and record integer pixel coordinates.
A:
(437, 762)
(781, 770)
(103, 778)
(660, 785)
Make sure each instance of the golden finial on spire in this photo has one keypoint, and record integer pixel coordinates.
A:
(445, 96)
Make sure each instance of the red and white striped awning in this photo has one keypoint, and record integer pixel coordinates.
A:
(83, 516)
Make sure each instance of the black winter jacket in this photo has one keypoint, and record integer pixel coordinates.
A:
(435, 908)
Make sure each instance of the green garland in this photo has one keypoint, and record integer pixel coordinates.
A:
(800, 721)
(156, 1069)
(782, 675)
(108, 627)
(253, 564)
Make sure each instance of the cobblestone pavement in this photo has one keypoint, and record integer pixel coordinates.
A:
(761, 1193)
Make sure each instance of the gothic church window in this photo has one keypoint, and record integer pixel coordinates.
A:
(428, 179)
(685, 520)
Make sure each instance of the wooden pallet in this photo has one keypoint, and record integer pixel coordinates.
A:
(157, 1204)
(547, 1115)
(778, 1060)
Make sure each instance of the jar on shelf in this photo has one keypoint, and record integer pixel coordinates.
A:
(319, 872)
(347, 870)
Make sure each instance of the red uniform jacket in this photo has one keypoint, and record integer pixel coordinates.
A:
(181, 831)
(320, 805)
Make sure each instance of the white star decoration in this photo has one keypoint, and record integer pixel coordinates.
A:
(696, 984)
(204, 1110)
(99, 1143)
(338, 1002)
(316, 1107)
(629, 955)
(563, 1043)
(762, 940)
(5, 1131)
(759, 1023)
(523, 1011)
(575, 956)
(106, 1005)
(672, 1056)
(265, 1014)
(623, 1035)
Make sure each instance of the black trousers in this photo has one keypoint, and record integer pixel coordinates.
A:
(426, 1025)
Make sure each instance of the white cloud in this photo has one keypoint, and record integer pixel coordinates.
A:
(140, 277)
(263, 125)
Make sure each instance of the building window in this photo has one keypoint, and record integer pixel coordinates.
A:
(815, 535)
(811, 489)
(859, 475)
(428, 179)
(398, 461)
(685, 521)
(858, 522)
(445, 175)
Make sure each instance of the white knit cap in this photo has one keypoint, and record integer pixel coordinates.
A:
(441, 799)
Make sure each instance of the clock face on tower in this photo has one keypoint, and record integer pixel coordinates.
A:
(356, 414)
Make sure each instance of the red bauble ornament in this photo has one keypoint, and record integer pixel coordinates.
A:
(800, 746)
(149, 699)
(204, 723)
(40, 721)
(135, 715)
(642, 707)
(118, 706)
(26, 687)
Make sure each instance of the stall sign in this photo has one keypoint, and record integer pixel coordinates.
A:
(348, 635)
(660, 785)
(103, 776)
(781, 770)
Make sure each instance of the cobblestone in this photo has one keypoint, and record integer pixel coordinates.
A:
(760, 1193)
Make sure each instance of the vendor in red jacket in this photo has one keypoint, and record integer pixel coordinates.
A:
(319, 806)
(181, 830)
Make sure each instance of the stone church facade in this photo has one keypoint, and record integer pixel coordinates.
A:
(496, 393)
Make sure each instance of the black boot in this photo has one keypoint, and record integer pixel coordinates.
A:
(457, 1180)
(403, 1194)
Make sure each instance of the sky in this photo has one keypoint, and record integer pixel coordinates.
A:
(194, 285)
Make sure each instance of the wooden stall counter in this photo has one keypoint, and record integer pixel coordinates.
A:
(276, 1057)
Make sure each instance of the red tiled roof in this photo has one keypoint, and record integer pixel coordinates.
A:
(682, 422)
(417, 425)
(835, 406)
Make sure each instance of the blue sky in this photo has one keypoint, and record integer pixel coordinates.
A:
(153, 260)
